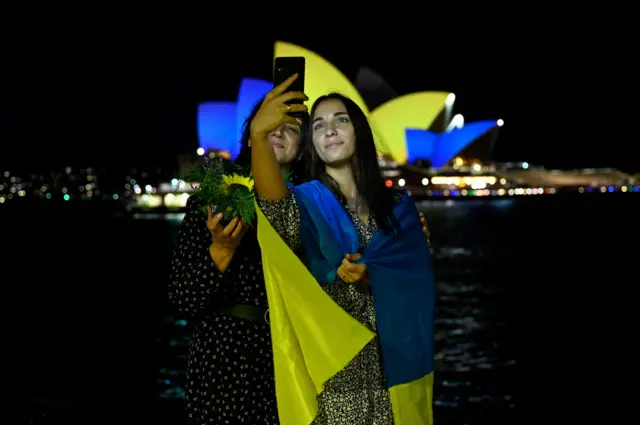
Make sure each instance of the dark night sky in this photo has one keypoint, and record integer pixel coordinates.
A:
(141, 109)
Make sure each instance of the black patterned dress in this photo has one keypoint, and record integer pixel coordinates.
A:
(230, 366)
(358, 394)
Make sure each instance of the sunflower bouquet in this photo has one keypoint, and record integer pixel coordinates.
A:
(229, 193)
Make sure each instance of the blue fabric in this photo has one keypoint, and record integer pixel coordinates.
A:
(399, 268)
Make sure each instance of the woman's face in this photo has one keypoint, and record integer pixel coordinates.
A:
(285, 141)
(334, 137)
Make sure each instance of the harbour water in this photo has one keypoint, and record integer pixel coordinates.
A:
(92, 336)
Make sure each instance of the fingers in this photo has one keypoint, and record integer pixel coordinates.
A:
(293, 95)
(297, 107)
(354, 257)
(352, 268)
(212, 221)
(423, 220)
(282, 87)
(228, 230)
(289, 109)
(344, 275)
(350, 276)
(288, 119)
(357, 269)
(239, 230)
(349, 266)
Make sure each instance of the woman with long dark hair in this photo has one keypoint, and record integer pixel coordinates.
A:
(217, 281)
(347, 199)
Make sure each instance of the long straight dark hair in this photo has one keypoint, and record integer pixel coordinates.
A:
(364, 163)
(298, 169)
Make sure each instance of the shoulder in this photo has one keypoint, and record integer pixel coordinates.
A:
(307, 185)
(305, 188)
(194, 202)
(312, 186)
(195, 206)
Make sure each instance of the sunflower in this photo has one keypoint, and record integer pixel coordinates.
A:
(229, 180)
(231, 194)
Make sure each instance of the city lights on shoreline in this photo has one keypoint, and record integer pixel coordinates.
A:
(142, 190)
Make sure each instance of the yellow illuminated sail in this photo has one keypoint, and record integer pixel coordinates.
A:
(389, 121)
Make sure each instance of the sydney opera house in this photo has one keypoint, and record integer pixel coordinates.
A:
(415, 127)
(422, 146)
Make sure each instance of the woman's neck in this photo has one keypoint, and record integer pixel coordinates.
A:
(343, 175)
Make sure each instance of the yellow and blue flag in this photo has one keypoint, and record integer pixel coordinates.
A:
(313, 338)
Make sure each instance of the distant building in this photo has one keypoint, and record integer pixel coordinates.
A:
(408, 128)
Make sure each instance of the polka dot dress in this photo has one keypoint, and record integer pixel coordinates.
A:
(230, 366)
(358, 394)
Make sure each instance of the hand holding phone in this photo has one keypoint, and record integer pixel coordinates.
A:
(279, 107)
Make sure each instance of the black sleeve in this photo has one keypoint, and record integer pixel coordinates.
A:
(195, 281)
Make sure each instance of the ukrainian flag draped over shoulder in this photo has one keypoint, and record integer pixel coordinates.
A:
(313, 338)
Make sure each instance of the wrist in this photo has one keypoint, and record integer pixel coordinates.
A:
(221, 256)
(257, 137)
(221, 250)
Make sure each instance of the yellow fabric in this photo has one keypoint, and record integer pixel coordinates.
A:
(406, 397)
(313, 338)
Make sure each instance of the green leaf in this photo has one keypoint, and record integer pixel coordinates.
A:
(234, 201)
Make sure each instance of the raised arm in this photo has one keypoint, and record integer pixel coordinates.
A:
(199, 270)
(273, 113)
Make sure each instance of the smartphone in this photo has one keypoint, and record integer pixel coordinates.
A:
(284, 67)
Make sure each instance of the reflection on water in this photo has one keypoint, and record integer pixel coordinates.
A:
(171, 217)
(474, 363)
(90, 331)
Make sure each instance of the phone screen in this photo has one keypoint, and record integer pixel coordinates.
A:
(284, 67)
